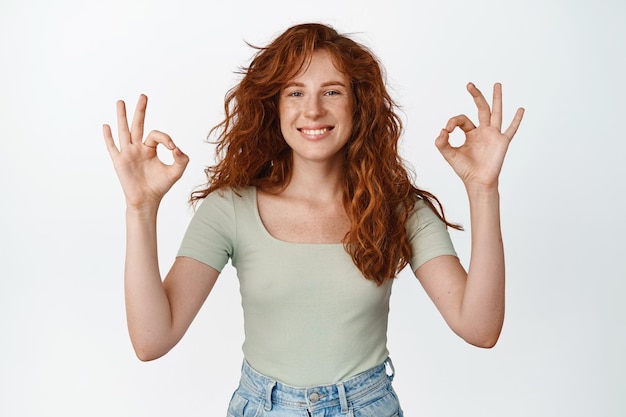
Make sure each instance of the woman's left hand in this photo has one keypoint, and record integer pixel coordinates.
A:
(479, 159)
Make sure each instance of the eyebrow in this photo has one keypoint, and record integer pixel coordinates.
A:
(326, 84)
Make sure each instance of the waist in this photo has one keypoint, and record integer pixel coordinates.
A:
(354, 390)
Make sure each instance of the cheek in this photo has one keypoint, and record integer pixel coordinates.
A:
(349, 111)
(282, 117)
(285, 112)
(349, 117)
(285, 125)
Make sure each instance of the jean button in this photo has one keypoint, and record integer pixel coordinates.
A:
(315, 397)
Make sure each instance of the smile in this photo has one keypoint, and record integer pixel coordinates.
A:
(315, 132)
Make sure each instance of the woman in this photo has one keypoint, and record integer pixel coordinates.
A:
(312, 204)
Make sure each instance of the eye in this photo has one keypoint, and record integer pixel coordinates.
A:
(294, 94)
(332, 93)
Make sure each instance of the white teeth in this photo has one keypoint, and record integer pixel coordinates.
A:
(314, 132)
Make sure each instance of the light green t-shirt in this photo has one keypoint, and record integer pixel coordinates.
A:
(310, 317)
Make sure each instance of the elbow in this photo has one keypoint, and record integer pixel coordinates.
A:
(146, 353)
(485, 337)
(485, 343)
(150, 345)
(483, 333)
(146, 356)
(485, 340)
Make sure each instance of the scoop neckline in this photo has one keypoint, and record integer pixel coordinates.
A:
(270, 236)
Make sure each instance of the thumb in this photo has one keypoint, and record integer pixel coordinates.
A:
(180, 162)
(442, 143)
(180, 158)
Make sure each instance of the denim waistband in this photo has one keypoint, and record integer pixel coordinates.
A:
(313, 398)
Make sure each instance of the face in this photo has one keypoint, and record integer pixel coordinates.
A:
(316, 112)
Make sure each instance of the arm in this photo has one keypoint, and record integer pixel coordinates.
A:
(158, 312)
(472, 302)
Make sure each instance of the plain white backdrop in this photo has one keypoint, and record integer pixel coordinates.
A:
(64, 346)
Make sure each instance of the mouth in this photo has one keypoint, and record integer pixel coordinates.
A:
(315, 132)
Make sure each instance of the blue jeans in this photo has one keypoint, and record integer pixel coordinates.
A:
(368, 394)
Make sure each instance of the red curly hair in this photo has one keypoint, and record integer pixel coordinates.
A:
(378, 193)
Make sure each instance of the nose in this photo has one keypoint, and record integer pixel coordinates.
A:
(314, 107)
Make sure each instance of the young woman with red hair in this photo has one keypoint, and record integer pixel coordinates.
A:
(312, 204)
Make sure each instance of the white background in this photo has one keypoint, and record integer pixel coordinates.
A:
(63, 341)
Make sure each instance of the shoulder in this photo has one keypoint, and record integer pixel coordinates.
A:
(428, 235)
(227, 196)
(226, 207)
(422, 216)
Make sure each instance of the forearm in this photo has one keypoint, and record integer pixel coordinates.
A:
(147, 307)
(473, 302)
(482, 309)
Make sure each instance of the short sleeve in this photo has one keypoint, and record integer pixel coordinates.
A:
(428, 235)
(210, 235)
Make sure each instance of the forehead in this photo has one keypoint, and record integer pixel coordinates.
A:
(320, 65)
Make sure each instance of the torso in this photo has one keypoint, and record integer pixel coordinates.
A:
(300, 220)
(310, 317)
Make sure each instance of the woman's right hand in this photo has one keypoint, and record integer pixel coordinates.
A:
(144, 177)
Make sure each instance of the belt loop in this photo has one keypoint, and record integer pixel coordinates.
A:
(268, 395)
(389, 364)
(342, 398)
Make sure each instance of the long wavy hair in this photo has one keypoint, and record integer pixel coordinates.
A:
(378, 194)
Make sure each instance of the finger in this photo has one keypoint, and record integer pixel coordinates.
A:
(155, 138)
(122, 125)
(461, 121)
(109, 141)
(136, 130)
(517, 119)
(180, 158)
(484, 113)
(443, 144)
(496, 106)
(180, 163)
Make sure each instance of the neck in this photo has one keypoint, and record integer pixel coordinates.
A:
(316, 181)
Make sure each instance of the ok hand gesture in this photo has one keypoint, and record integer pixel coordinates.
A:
(479, 160)
(144, 177)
